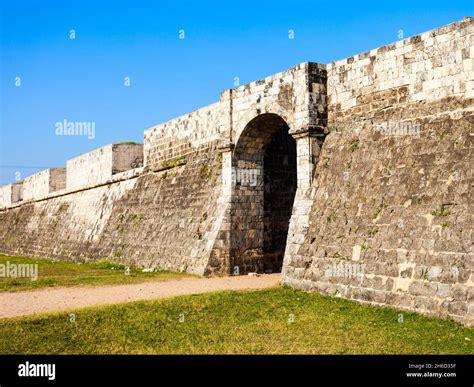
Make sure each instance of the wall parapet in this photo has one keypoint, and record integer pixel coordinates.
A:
(99, 165)
(184, 134)
(296, 94)
(111, 163)
(429, 66)
(11, 194)
(116, 178)
(39, 185)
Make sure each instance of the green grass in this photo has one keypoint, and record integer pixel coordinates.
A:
(64, 273)
(276, 320)
(442, 211)
(127, 143)
(354, 146)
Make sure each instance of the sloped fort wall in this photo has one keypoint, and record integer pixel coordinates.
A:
(353, 178)
(392, 211)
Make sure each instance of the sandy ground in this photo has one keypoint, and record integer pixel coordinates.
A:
(15, 304)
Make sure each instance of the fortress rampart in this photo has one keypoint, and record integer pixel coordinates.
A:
(353, 178)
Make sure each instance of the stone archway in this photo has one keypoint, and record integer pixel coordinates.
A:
(264, 181)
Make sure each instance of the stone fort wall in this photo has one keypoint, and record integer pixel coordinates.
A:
(384, 159)
(392, 194)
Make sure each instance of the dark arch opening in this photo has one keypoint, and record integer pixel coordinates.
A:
(264, 174)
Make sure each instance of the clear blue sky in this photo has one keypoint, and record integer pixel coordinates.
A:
(83, 79)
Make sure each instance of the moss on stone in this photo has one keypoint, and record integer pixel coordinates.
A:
(204, 172)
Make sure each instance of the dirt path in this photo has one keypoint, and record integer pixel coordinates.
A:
(55, 299)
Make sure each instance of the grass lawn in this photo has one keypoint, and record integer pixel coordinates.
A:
(275, 320)
(65, 273)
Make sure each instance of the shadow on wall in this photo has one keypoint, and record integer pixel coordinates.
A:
(264, 170)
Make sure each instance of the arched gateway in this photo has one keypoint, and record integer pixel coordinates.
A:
(264, 179)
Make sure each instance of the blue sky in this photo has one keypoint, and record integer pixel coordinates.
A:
(82, 79)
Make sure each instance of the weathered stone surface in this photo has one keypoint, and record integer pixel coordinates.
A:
(10, 195)
(160, 219)
(401, 192)
(40, 185)
(97, 167)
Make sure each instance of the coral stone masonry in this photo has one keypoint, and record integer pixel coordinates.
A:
(352, 178)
